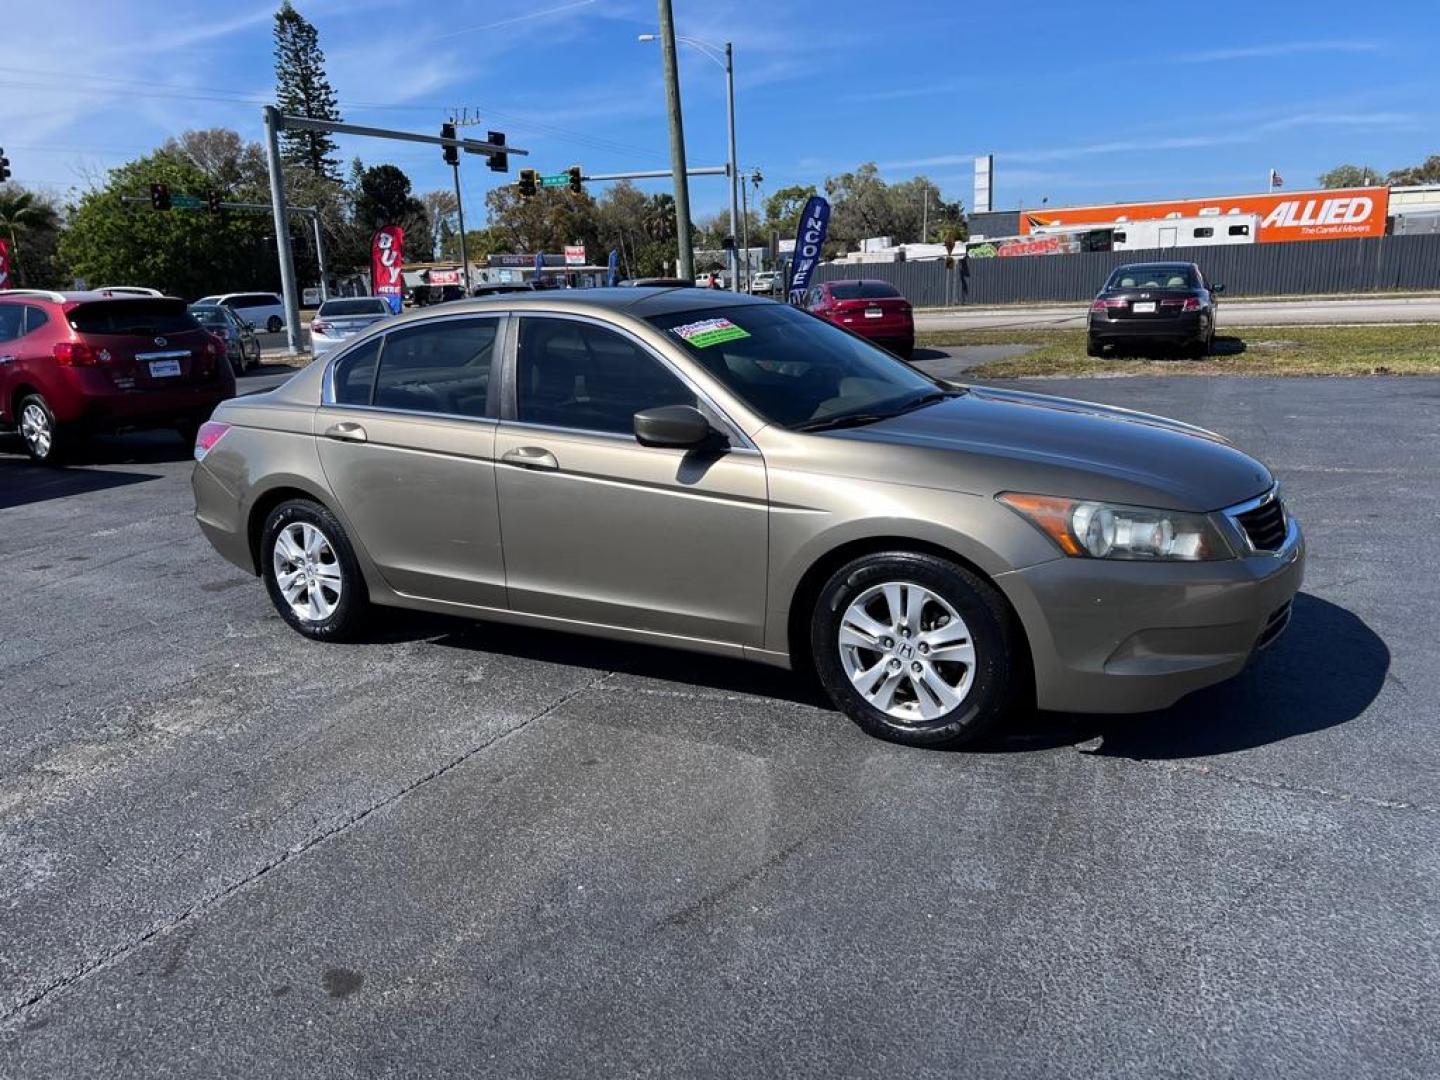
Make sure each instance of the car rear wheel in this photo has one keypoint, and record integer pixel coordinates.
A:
(311, 573)
(914, 649)
(274, 324)
(45, 440)
(1093, 347)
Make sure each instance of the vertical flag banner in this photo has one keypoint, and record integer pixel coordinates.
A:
(539, 267)
(387, 262)
(5, 282)
(809, 241)
(612, 273)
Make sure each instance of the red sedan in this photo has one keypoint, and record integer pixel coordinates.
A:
(74, 363)
(872, 309)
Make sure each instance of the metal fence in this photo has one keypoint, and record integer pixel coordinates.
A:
(1296, 269)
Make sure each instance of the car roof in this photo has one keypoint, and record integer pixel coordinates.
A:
(1154, 265)
(73, 297)
(639, 303)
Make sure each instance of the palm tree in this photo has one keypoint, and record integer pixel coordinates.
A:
(20, 212)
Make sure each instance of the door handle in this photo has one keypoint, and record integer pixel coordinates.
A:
(346, 431)
(530, 457)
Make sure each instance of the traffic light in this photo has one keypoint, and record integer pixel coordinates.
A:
(527, 183)
(4, 166)
(498, 162)
(160, 196)
(452, 153)
(575, 174)
(212, 200)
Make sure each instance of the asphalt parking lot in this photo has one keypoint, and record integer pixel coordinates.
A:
(475, 850)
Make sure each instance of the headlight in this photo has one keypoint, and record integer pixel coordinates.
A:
(1099, 530)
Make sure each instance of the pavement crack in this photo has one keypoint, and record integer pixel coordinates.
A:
(115, 955)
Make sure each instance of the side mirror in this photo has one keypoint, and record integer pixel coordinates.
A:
(1217, 288)
(681, 427)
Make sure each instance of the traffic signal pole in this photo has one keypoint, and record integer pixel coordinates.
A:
(273, 123)
(460, 211)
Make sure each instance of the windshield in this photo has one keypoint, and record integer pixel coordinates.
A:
(1151, 277)
(369, 305)
(792, 368)
(210, 316)
(862, 290)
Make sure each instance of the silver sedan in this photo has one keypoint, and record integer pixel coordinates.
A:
(339, 320)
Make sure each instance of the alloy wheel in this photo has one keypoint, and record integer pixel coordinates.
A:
(307, 571)
(907, 652)
(35, 429)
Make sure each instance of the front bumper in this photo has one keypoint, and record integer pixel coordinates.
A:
(1115, 636)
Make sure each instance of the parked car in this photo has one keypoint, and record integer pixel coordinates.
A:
(341, 319)
(729, 475)
(242, 346)
(500, 288)
(264, 311)
(872, 309)
(764, 282)
(75, 363)
(1161, 303)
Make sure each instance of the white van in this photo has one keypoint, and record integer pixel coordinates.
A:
(262, 310)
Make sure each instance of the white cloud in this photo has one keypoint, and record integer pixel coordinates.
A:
(1276, 50)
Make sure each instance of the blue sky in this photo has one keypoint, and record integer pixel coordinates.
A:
(1076, 105)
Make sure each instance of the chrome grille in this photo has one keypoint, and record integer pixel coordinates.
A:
(1265, 525)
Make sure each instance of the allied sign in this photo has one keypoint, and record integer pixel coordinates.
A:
(809, 242)
(574, 254)
(5, 282)
(387, 260)
(1331, 214)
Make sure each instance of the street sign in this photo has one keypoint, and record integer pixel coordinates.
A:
(186, 202)
(574, 254)
(555, 180)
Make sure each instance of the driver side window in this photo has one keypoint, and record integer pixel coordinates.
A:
(574, 374)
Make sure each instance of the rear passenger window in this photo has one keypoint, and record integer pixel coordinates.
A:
(35, 318)
(442, 367)
(354, 374)
(12, 321)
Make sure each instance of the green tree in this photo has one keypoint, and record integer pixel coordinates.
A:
(1427, 172)
(545, 223)
(182, 252)
(384, 199)
(783, 209)
(31, 223)
(302, 89)
(1343, 176)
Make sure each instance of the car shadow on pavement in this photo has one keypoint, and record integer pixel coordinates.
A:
(133, 448)
(598, 654)
(23, 483)
(1324, 671)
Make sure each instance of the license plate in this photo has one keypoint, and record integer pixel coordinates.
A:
(1143, 307)
(874, 312)
(160, 369)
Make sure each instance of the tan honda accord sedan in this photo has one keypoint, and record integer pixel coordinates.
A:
(731, 475)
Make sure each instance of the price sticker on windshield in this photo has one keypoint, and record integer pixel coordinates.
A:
(709, 332)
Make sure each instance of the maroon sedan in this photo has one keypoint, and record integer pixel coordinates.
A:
(872, 309)
(74, 363)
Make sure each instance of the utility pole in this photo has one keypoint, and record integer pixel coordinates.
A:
(744, 237)
(685, 262)
(460, 212)
(320, 258)
(925, 219)
(734, 167)
(282, 229)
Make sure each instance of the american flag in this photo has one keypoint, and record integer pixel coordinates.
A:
(1276, 180)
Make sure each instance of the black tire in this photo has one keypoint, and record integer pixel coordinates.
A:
(993, 689)
(274, 324)
(52, 442)
(351, 612)
(1093, 347)
(188, 429)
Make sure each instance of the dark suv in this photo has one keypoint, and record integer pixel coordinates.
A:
(75, 363)
(1160, 303)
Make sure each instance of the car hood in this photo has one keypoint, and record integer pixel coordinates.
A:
(1018, 441)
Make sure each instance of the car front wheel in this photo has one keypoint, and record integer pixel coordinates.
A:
(311, 573)
(274, 324)
(914, 649)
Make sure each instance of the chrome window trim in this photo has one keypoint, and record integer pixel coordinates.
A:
(1247, 548)
(590, 433)
(738, 438)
